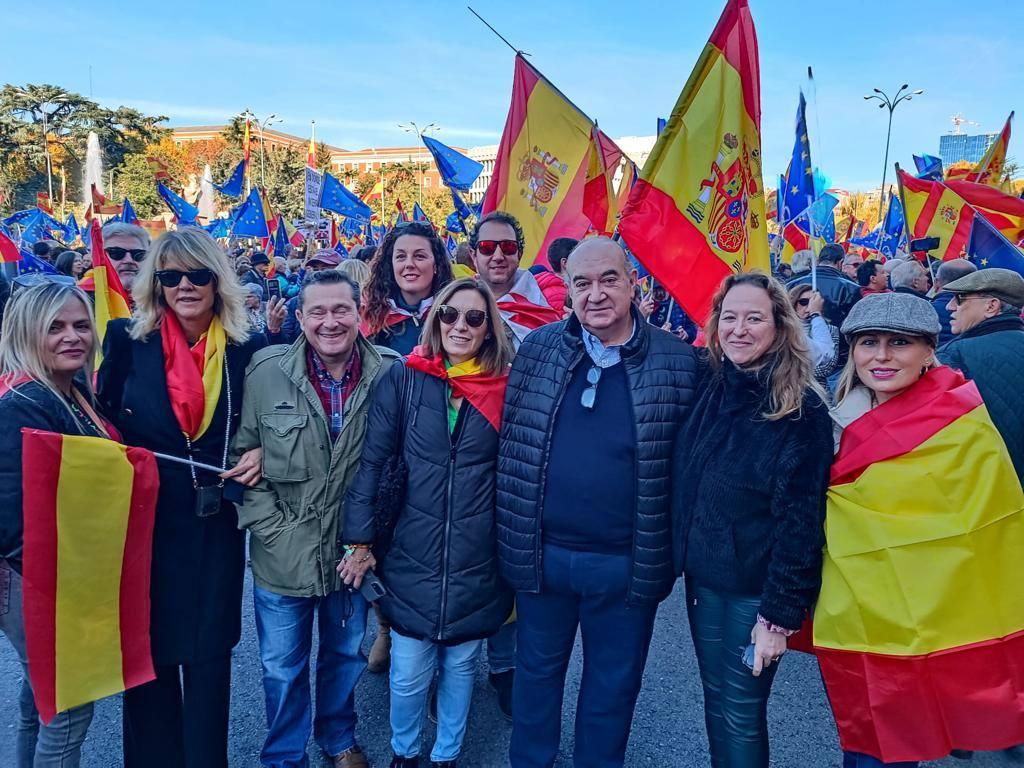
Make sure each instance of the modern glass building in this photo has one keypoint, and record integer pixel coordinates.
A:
(959, 147)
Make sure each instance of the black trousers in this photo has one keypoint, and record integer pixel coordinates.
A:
(179, 720)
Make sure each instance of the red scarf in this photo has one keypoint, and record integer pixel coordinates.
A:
(486, 393)
(187, 385)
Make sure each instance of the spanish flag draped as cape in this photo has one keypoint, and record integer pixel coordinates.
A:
(919, 628)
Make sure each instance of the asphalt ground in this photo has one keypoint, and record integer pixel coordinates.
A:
(668, 730)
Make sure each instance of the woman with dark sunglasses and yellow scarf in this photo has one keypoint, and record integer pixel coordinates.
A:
(171, 380)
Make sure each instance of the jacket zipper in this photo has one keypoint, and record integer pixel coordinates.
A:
(447, 532)
(636, 483)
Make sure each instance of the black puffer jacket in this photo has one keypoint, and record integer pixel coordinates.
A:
(441, 571)
(748, 513)
(661, 371)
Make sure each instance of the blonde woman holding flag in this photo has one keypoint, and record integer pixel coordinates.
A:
(171, 380)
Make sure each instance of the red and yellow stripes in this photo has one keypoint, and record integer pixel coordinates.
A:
(920, 619)
(86, 567)
(697, 212)
(932, 209)
(111, 299)
(1005, 212)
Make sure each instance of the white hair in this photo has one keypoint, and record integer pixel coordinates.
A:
(802, 260)
(905, 273)
(120, 228)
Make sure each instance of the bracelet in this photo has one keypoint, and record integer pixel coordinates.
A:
(774, 627)
(350, 549)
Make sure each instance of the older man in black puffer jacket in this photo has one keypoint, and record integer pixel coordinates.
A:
(591, 408)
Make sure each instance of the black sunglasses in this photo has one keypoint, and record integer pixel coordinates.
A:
(589, 395)
(803, 302)
(171, 278)
(137, 254)
(450, 316)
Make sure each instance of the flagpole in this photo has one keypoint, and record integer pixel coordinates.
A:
(189, 462)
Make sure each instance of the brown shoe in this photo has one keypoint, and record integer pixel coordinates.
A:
(380, 653)
(351, 758)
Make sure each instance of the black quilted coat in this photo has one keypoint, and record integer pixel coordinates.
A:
(441, 571)
(662, 373)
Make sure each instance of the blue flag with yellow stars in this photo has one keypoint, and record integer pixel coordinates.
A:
(457, 171)
(183, 210)
(249, 217)
(799, 188)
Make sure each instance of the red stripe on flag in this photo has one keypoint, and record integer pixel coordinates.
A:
(524, 79)
(40, 461)
(136, 657)
(924, 219)
(939, 398)
(683, 262)
(908, 708)
(962, 233)
(735, 37)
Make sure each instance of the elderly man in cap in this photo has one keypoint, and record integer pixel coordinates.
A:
(988, 347)
(282, 321)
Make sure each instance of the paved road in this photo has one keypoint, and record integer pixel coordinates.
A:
(668, 731)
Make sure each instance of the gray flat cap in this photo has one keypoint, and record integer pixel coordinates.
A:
(1005, 284)
(893, 313)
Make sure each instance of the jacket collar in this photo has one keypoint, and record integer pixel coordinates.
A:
(1007, 321)
(572, 335)
(293, 362)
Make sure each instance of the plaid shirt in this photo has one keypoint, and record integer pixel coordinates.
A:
(333, 392)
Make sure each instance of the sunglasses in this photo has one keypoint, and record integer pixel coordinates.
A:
(589, 395)
(450, 316)
(803, 302)
(488, 247)
(137, 254)
(960, 298)
(171, 278)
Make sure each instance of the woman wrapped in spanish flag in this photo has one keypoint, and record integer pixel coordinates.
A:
(919, 627)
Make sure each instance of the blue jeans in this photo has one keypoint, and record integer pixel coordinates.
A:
(284, 626)
(857, 760)
(501, 649)
(59, 744)
(586, 591)
(412, 668)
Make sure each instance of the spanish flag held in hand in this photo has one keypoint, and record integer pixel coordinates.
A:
(86, 568)
(696, 214)
(919, 626)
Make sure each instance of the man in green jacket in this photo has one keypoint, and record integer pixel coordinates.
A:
(306, 407)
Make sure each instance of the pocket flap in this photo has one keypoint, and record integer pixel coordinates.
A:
(283, 423)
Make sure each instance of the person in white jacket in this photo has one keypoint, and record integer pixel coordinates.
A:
(822, 335)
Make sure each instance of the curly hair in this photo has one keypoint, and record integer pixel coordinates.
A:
(382, 284)
(504, 218)
(792, 372)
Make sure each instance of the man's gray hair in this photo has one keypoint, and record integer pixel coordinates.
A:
(627, 265)
(954, 269)
(904, 274)
(112, 228)
(802, 260)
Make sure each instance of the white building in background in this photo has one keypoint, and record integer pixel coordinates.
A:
(636, 148)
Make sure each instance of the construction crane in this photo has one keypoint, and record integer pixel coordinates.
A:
(959, 120)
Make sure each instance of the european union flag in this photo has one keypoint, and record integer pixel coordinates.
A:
(128, 213)
(336, 197)
(799, 188)
(870, 240)
(369, 237)
(929, 167)
(341, 250)
(452, 223)
(457, 171)
(249, 218)
(820, 214)
(418, 214)
(71, 229)
(892, 228)
(36, 228)
(31, 264)
(281, 244)
(184, 211)
(219, 228)
(233, 186)
(20, 217)
(451, 245)
(988, 247)
(460, 206)
(351, 227)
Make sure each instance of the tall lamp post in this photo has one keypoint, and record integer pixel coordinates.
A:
(890, 104)
(260, 127)
(411, 127)
(46, 110)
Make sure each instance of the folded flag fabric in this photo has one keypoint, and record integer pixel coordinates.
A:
(919, 627)
(86, 567)
(525, 308)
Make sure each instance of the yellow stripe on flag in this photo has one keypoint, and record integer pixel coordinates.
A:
(109, 305)
(91, 531)
(902, 573)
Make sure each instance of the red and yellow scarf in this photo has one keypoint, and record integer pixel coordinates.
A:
(195, 375)
(486, 393)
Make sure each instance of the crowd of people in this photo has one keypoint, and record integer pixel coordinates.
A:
(419, 435)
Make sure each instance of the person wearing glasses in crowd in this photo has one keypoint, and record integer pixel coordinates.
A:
(497, 245)
(126, 245)
(46, 355)
(171, 381)
(822, 336)
(585, 549)
(410, 267)
(441, 412)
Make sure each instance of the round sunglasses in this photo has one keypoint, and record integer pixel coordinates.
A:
(171, 278)
(450, 315)
(488, 247)
(115, 253)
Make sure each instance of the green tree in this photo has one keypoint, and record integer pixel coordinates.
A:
(136, 182)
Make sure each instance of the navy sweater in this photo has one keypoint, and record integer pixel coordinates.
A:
(590, 496)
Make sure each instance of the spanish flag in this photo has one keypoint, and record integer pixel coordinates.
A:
(919, 627)
(934, 210)
(9, 252)
(1004, 212)
(599, 202)
(697, 213)
(990, 168)
(541, 167)
(86, 567)
(111, 299)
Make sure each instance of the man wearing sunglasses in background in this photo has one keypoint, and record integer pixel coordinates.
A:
(496, 245)
(584, 524)
(126, 246)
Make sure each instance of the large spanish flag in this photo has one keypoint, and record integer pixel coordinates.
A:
(541, 167)
(919, 627)
(89, 506)
(989, 169)
(934, 210)
(1005, 212)
(599, 201)
(697, 213)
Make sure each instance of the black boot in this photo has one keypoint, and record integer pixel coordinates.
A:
(444, 764)
(405, 762)
(502, 684)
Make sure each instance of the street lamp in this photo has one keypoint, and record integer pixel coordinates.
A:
(57, 101)
(411, 127)
(891, 104)
(260, 127)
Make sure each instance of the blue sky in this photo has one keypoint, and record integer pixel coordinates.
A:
(360, 68)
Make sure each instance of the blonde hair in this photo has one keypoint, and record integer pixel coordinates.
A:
(192, 248)
(27, 320)
(357, 270)
(495, 355)
(848, 378)
(791, 374)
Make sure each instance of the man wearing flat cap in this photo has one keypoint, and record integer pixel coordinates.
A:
(988, 347)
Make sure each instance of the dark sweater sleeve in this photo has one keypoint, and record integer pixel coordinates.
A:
(358, 525)
(798, 506)
(113, 372)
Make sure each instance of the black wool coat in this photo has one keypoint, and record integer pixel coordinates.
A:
(198, 562)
